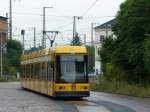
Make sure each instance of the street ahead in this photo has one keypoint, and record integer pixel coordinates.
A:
(15, 99)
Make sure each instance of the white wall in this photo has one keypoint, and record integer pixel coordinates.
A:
(100, 32)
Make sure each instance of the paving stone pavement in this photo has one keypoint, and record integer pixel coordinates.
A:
(15, 99)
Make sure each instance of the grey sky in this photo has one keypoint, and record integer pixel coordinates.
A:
(27, 14)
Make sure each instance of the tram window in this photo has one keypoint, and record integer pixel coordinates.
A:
(72, 69)
(40, 71)
(22, 71)
(29, 70)
(32, 70)
(48, 70)
(26, 70)
(79, 66)
(37, 69)
(45, 71)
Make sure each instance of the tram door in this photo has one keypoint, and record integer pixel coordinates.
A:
(50, 77)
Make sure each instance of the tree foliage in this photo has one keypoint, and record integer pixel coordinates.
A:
(130, 50)
(11, 59)
(91, 58)
(14, 51)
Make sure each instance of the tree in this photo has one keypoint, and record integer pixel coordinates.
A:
(91, 58)
(106, 52)
(132, 23)
(131, 51)
(14, 52)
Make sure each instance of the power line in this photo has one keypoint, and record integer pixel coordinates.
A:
(60, 27)
(90, 8)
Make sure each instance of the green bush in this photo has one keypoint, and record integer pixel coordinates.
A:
(8, 79)
(114, 73)
(12, 70)
(121, 88)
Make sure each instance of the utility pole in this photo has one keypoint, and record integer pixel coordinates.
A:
(84, 38)
(75, 35)
(34, 38)
(92, 31)
(1, 54)
(92, 24)
(23, 45)
(44, 28)
(74, 26)
(10, 19)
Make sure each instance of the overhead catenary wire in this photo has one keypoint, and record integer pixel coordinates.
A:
(65, 25)
(93, 4)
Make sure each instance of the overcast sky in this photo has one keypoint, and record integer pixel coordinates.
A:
(28, 14)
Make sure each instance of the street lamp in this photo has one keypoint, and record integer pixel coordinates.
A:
(44, 27)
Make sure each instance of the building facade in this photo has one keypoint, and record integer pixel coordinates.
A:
(101, 32)
(3, 30)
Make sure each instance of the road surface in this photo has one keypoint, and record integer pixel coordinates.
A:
(15, 99)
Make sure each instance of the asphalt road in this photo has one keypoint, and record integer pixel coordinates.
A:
(15, 99)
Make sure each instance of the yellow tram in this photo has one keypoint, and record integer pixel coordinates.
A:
(60, 71)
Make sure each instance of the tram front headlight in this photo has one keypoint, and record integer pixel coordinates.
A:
(61, 88)
(85, 87)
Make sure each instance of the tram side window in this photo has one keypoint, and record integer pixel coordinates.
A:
(32, 70)
(48, 70)
(22, 71)
(41, 73)
(28, 70)
(26, 73)
(37, 69)
(45, 71)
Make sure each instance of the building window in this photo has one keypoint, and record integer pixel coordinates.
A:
(102, 37)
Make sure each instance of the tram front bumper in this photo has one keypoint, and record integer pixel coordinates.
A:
(72, 94)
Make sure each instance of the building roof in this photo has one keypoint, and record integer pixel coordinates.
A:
(3, 18)
(107, 25)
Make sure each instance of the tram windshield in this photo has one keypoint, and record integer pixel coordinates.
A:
(72, 69)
